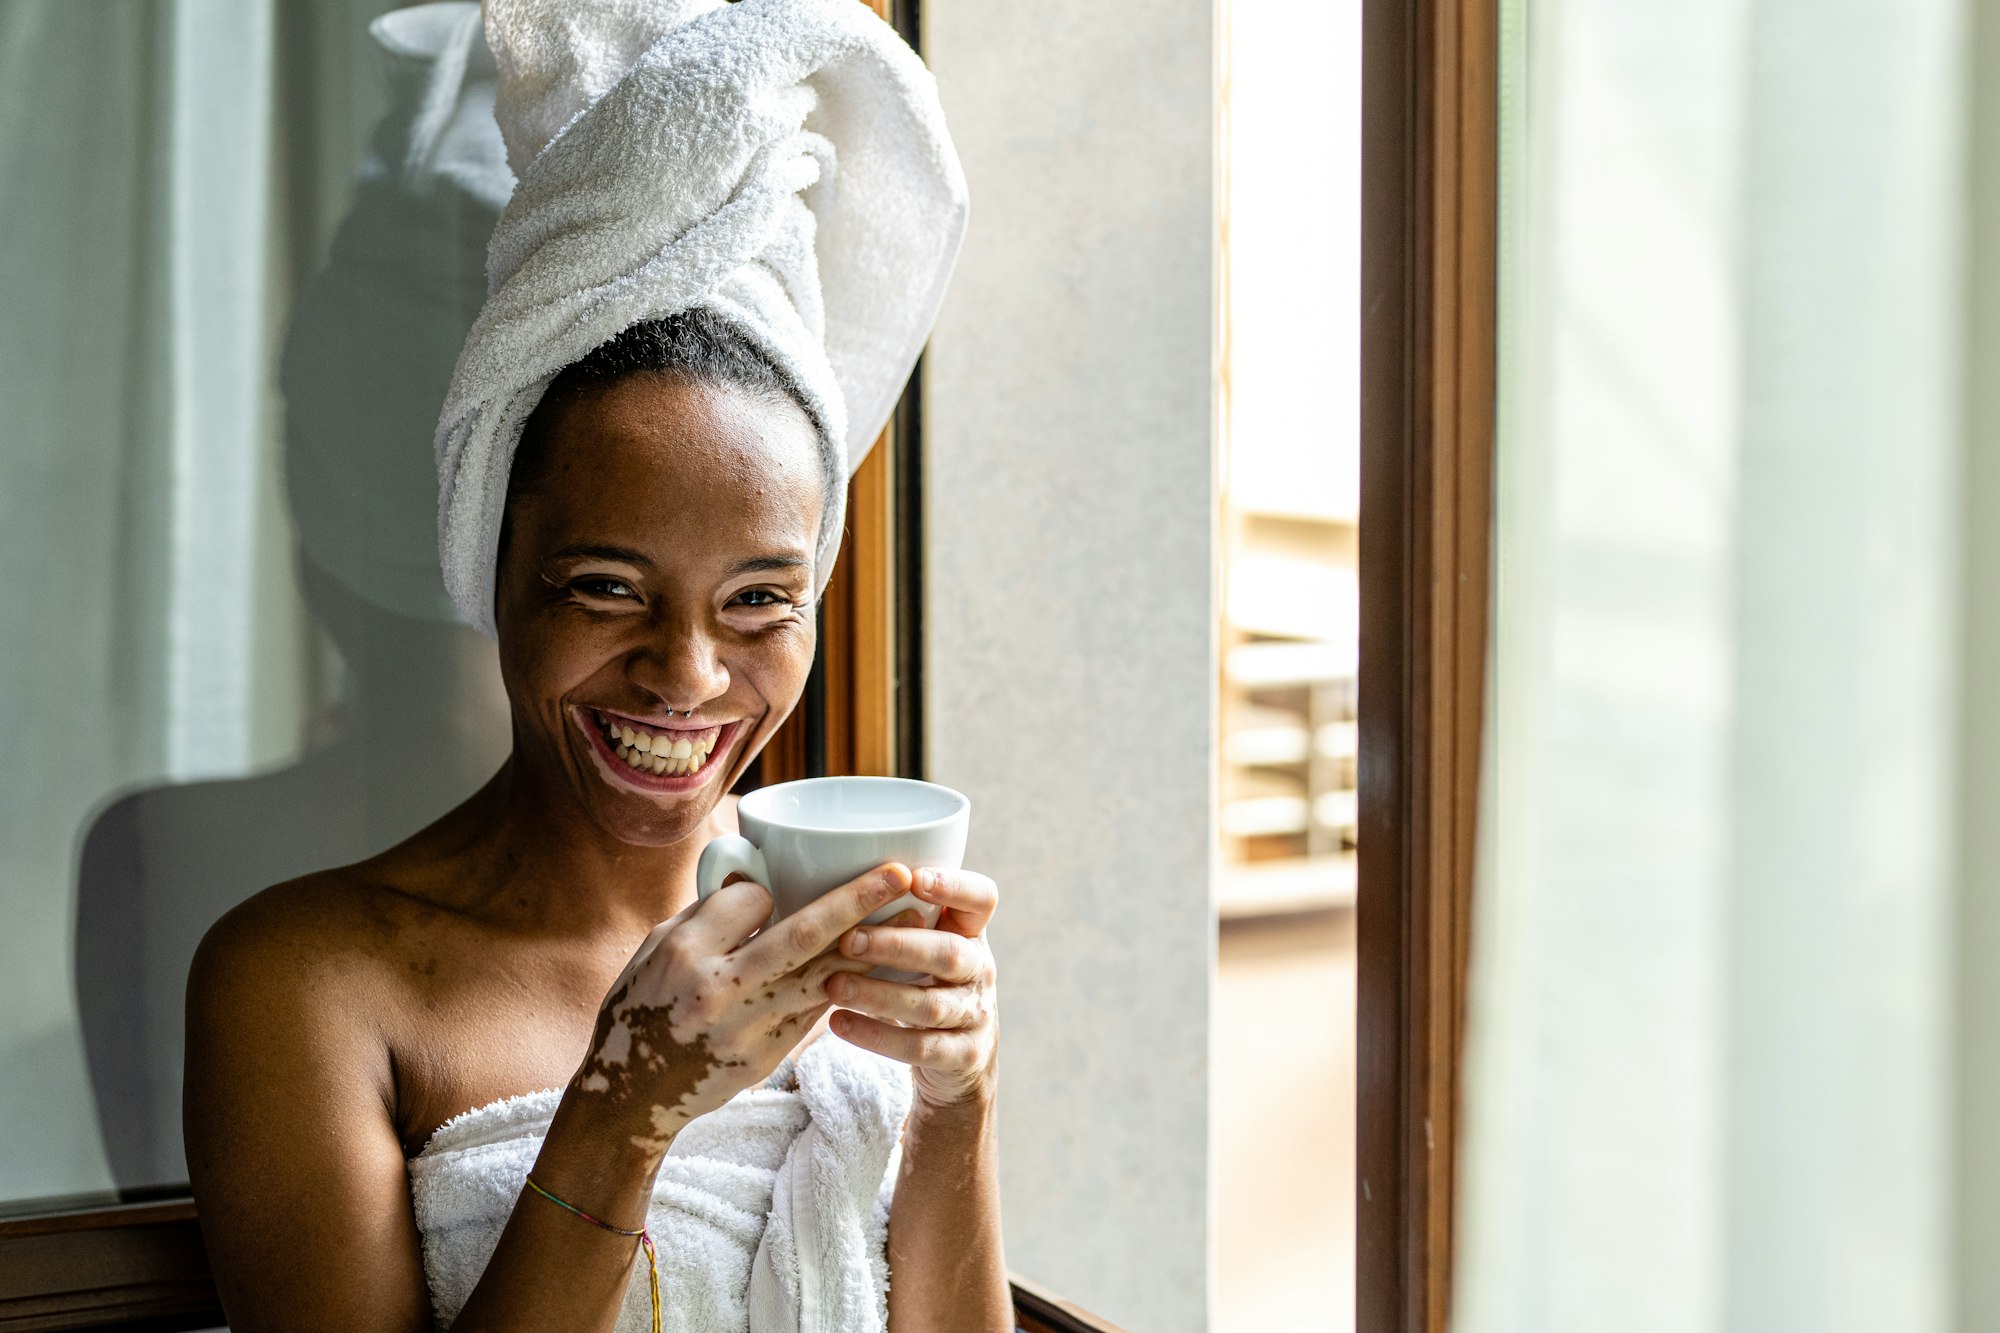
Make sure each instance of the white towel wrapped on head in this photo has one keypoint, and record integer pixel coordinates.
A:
(782, 162)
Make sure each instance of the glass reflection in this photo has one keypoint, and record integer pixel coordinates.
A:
(416, 717)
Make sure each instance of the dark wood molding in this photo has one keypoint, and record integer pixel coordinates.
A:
(858, 642)
(138, 1266)
(1039, 1310)
(1429, 131)
(142, 1268)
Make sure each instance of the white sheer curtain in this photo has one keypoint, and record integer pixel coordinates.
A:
(172, 172)
(135, 269)
(1710, 1056)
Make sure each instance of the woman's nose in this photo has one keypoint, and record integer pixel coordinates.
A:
(682, 665)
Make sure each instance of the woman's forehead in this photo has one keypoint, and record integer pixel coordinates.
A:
(667, 430)
(697, 473)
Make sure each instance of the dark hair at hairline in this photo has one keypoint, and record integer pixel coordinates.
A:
(698, 344)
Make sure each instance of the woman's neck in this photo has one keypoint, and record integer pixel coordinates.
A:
(529, 856)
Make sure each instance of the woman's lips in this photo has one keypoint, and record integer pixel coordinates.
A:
(632, 763)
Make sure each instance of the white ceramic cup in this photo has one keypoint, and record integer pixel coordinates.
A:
(802, 839)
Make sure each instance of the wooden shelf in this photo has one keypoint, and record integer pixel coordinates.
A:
(1304, 884)
(1265, 665)
(1260, 802)
(1273, 737)
(1291, 597)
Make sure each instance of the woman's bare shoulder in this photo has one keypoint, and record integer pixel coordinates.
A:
(324, 915)
(294, 947)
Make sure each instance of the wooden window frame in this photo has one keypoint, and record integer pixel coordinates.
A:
(1430, 82)
(860, 712)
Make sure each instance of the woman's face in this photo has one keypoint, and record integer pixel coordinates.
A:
(661, 558)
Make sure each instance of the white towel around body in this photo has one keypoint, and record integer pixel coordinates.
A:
(770, 1213)
(783, 163)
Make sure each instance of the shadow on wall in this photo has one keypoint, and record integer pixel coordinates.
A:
(422, 718)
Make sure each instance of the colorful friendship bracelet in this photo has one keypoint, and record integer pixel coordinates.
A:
(645, 1242)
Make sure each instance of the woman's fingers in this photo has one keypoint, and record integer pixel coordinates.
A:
(945, 1052)
(727, 917)
(969, 899)
(912, 1006)
(805, 988)
(811, 930)
(950, 958)
(946, 1033)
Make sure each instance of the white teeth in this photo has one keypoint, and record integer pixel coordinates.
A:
(657, 752)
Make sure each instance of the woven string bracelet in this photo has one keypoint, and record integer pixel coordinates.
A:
(645, 1242)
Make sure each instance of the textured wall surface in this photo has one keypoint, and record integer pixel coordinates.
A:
(1070, 619)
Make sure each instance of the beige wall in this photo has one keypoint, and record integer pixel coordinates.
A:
(1070, 619)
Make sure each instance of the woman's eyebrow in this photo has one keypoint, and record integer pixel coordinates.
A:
(595, 551)
(759, 563)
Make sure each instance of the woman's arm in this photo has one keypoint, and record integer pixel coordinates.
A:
(296, 1166)
(947, 1272)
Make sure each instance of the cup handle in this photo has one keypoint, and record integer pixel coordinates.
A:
(731, 854)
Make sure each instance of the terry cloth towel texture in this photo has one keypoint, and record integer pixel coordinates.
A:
(770, 1213)
(784, 163)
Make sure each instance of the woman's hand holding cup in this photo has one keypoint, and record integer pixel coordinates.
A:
(929, 996)
(948, 1031)
(712, 1001)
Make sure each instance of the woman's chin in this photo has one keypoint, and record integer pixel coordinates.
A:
(648, 821)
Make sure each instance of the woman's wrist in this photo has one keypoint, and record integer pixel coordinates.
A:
(977, 1103)
(597, 1142)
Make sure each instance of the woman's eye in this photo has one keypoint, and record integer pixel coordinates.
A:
(605, 587)
(759, 597)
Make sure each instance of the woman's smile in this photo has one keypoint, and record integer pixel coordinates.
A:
(652, 756)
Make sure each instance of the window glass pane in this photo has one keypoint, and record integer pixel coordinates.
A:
(243, 241)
